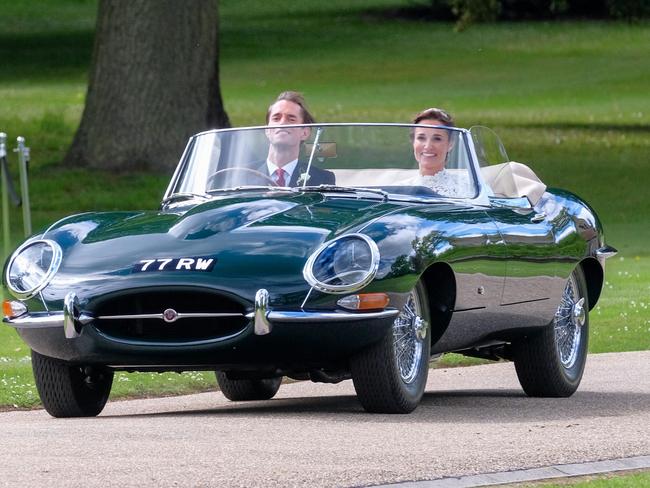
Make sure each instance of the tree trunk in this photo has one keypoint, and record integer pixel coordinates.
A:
(154, 82)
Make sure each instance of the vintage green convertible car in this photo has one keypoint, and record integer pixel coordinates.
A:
(359, 261)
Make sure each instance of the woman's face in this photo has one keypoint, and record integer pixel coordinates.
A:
(430, 147)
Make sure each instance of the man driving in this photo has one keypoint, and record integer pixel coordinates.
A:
(282, 163)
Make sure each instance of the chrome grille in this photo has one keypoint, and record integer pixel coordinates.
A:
(170, 316)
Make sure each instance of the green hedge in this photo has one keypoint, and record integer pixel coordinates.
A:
(467, 12)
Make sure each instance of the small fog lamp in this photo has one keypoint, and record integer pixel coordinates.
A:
(365, 301)
(12, 309)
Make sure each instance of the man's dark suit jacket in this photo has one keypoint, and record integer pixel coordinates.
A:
(317, 176)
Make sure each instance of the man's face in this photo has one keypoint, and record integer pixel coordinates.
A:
(285, 112)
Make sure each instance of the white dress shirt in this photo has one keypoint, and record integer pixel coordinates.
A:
(288, 169)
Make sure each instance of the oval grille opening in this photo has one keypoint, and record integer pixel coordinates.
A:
(143, 328)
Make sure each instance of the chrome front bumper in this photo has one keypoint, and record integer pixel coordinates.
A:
(72, 319)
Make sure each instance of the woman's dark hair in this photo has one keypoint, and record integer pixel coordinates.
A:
(434, 113)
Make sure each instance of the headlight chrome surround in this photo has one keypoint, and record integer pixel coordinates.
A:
(328, 252)
(48, 272)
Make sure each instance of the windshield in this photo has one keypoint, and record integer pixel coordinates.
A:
(488, 146)
(414, 160)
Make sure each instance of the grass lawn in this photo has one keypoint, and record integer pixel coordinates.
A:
(570, 98)
(610, 480)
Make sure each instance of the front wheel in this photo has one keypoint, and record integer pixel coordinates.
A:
(550, 362)
(68, 390)
(247, 390)
(390, 376)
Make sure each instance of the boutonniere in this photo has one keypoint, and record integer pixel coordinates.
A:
(304, 178)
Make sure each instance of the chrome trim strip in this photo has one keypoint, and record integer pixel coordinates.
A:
(177, 171)
(524, 301)
(606, 252)
(70, 314)
(36, 320)
(40, 295)
(326, 124)
(280, 316)
(43, 320)
(202, 342)
(40, 320)
(161, 317)
(262, 324)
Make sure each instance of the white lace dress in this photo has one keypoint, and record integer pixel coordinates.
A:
(444, 183)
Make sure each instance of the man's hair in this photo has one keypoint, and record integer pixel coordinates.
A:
(298, 99)
(434, 113)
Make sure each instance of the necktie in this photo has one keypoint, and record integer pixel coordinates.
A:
(279, 177)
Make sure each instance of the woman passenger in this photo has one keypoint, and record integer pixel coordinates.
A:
(431, 147)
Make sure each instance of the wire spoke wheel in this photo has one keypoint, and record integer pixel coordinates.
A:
(409, 333)
(550, 361)
(390, 375)
(568, 322)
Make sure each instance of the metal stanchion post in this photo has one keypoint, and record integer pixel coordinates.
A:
(5, 196)
(24, 184)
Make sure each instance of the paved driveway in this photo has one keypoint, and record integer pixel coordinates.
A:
(472, 420)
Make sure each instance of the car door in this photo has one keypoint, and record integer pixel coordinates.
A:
(531, 250)
(530, 244)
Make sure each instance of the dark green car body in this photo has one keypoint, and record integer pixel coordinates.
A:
(219, 281)
(263, 239)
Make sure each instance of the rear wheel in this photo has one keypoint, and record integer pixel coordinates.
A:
(390, 376)
(550, 362)
(247, 390)
(70, 390)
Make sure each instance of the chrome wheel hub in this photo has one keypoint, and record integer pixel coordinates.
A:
(569, 319)
(420, 327)
(409, 332)
(579, 314)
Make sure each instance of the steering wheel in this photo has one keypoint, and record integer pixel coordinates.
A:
(240, 169)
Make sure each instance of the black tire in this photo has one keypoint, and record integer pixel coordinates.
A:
(384, 384)
(248, 390)
(550, 362)
(67, 390)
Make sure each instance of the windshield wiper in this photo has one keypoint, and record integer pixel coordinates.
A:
(183, 196)
(343, 189)
(314, 146)
(244, 187)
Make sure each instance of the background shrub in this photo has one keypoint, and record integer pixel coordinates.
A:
(467, 12)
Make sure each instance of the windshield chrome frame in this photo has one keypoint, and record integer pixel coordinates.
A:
(481, 197)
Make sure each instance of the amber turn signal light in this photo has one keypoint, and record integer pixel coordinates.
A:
(12, 308)
(365, 301)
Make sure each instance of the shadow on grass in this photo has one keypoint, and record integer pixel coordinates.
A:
(44, 55)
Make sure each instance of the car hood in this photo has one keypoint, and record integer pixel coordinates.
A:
(254, 242)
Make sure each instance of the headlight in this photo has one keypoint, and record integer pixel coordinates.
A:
(32, 267)
(342, 265)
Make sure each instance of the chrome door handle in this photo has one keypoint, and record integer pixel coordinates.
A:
(539, 217)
